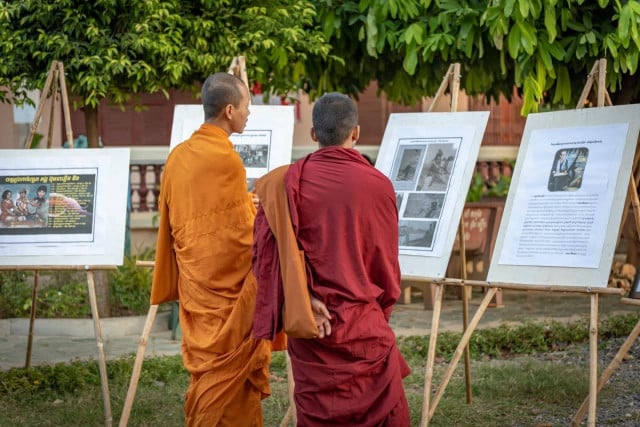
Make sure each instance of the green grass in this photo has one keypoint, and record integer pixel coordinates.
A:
(510, 388)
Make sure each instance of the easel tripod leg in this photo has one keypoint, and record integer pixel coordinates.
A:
(102, 364)
(137, 366)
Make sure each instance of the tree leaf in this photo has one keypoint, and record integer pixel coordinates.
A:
(372, 33)
(411, 59)
(550, 23)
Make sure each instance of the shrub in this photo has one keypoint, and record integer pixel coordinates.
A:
(130, 285)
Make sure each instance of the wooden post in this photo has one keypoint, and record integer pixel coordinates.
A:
(464, 342)
(431, 354)
(617, 360)
(593, 361)
(599, 69)
(101, 358)
(137, 366)
(290, 416)
(238, 68)
(32, 319)
(65, 105)
(52, 112)
(38, 114)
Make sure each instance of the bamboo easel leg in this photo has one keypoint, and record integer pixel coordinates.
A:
(431, 354)
(464, 341)
(290, 416)
(65, 105)
(32, 320)
(593, 361)
(38, 114)
(604, 378)
(137, 366)
(52, 111)
(465, 309)
(102, 364)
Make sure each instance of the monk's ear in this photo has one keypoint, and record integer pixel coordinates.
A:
(228, 111)
(355, 134)
(314, 137)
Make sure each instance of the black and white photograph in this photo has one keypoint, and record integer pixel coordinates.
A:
(406, 165)
(424, 205)
(399, 197)
(417, 234)
(567, 169)
(437, 167)
(253, 155)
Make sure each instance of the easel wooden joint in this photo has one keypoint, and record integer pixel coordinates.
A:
(55, 87)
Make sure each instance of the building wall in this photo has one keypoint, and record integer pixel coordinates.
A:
(152, 125)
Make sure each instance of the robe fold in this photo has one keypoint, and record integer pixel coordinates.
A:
(281, 272)
(344, 214)
(203, 258)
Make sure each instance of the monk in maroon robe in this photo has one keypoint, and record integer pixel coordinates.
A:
(344, 216)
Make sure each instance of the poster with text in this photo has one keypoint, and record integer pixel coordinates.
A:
(430, 158)
(63, 207)
(563, 211)
(264, 145)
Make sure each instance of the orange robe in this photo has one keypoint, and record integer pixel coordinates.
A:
(203, 258)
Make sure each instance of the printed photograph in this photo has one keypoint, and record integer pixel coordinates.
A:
(417, 234)
(404, 172)
(253, 155)
(567, 169)
(437, 167)
(399, 197)
(424, 205)
(24, 206)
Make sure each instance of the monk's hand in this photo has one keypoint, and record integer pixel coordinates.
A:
(321, 316)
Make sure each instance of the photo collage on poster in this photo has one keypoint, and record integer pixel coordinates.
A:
(48, 204)
(420, 174)
(254, 147)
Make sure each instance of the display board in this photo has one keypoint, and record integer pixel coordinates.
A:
(63, 207)
(264, 145)
(430, 159)
(563, 211)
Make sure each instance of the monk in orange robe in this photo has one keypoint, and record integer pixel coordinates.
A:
(203, 258)
(343, 212)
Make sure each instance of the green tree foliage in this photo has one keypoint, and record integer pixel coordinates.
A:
(545, 47)
(114, 49)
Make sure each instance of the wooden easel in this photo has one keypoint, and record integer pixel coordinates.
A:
(237, 68)
(428, 411)
(599, 70)
(54, 86)
(451, 80)
(94, 314)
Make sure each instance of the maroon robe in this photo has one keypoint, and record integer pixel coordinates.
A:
(344, 214)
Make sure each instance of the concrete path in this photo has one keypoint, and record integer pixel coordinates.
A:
(64, 340)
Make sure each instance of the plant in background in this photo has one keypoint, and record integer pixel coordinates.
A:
(130, 285)
(479, 188)
(69, 300)
(15, 294)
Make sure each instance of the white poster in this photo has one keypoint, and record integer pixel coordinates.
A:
(63, 206)
(430, 158)
(563, 213)
(565, 194)
(264, 145)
